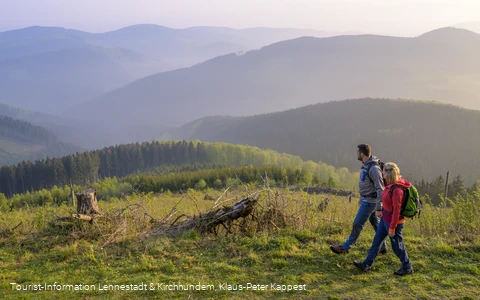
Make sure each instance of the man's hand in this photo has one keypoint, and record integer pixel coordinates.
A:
(391, 233)
(378, 213)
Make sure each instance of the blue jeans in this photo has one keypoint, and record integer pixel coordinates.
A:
(397, 244)
(366, 211)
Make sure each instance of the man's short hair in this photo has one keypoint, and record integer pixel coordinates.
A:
(366, 149)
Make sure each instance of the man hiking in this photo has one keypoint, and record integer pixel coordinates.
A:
(370, 186)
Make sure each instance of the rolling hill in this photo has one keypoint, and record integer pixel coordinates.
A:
(20, 140)
(87, 136)
(38, 39)
(440, 65)
(426, 139)
(53, 81)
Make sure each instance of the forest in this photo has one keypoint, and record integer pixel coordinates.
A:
(122, 160)
(177, 166)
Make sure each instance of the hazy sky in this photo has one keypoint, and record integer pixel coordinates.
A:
(396, 17)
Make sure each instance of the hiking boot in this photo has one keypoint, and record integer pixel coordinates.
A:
(338, 249)
(362, 266)
(383, 251)
(403, 272)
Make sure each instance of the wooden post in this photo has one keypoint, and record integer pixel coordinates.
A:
(73, 193)
(446, 189)
(73, 197)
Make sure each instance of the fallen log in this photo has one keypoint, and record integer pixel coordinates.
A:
(208, 222)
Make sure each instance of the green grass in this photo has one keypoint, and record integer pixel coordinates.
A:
(446, 263)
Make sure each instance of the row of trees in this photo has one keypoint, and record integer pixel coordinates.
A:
(436, 189)
(107, 188)
(217, 178)
(120, 161)
(224, 177)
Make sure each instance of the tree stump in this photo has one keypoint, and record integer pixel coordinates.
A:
(87, 203)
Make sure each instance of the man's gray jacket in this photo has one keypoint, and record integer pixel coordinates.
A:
(371, 185)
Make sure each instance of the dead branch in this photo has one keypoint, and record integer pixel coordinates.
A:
(9, 231)
(114, 235)
(82, 217)
(243, 184)
(224, 192)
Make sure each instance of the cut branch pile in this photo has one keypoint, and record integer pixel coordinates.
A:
(274, 212)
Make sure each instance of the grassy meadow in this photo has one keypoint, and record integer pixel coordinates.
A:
(284, 244)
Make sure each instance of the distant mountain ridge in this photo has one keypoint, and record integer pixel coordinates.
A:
(426, 139)
(49, 69)
(441, 65)
(152, 40)
(472, 26)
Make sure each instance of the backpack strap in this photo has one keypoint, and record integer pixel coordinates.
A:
(374, 194)
(390, 193)
(405, 196)
(368, 170)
